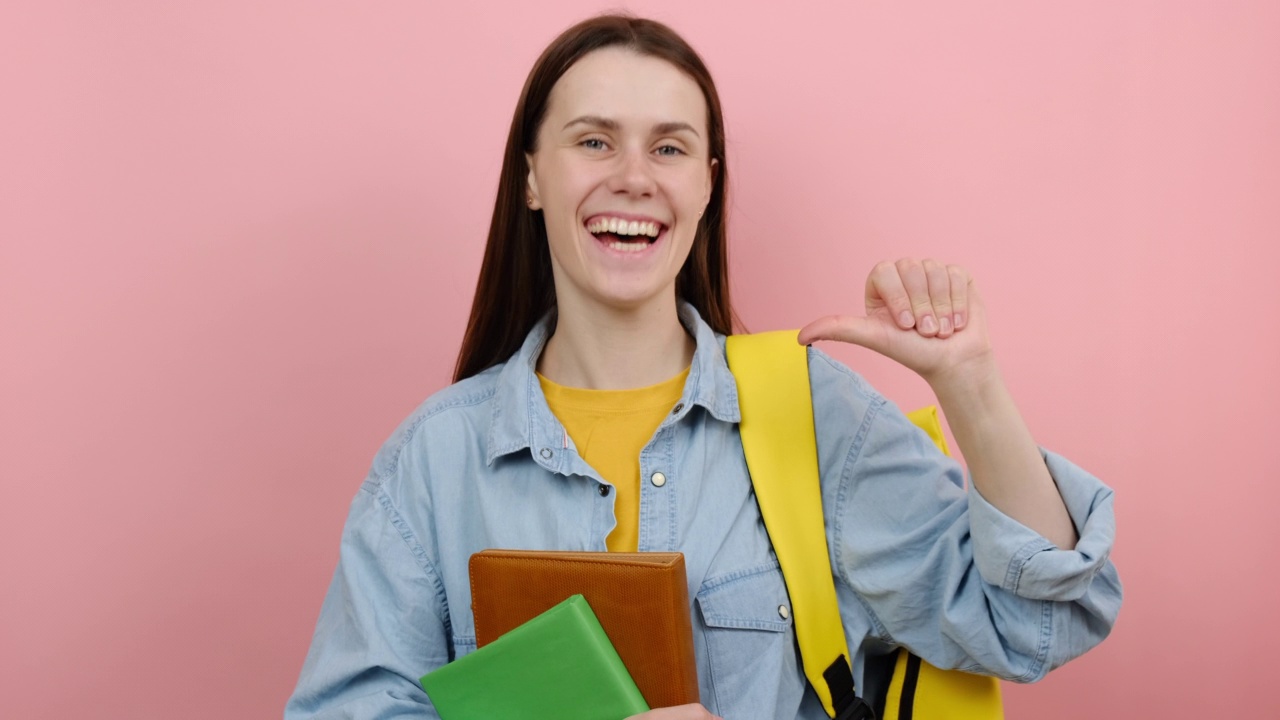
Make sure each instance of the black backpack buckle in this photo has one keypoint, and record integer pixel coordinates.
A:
(844, 699)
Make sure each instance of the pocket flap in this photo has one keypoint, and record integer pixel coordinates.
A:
(752, 599)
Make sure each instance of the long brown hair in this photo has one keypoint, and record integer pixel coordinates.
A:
(515, 288)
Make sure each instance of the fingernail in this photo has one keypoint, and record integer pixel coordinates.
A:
(944, 323)
(928, 325)
(906, 319)
(959, 321)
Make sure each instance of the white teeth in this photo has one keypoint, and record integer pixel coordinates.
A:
(628, 246)
(624, 227)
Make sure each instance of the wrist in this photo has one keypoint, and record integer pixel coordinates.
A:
(969, 383)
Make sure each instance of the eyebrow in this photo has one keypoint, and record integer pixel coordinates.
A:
(666, 128)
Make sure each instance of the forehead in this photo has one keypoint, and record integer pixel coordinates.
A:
(628, 87)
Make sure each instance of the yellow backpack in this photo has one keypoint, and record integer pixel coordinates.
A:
(772, 373)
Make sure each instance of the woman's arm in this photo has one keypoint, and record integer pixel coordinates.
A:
(930, 318)
(381, 626)
(921, 563)
(1004, 462)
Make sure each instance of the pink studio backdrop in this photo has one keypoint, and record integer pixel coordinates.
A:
(238, 241)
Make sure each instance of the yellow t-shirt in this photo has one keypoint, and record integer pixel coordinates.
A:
(610, 428)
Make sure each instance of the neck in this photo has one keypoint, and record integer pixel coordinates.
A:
(609, 349)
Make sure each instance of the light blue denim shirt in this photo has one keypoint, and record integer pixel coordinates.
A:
(919, 562)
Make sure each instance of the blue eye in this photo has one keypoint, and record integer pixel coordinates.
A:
(669, 151)
(592, 144)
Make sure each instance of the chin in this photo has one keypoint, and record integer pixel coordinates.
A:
(624, 299)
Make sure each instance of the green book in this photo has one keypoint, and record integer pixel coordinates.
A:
(559, 666)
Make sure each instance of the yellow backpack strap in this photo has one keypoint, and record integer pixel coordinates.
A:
(772, 373)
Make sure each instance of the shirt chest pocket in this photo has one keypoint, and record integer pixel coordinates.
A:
(751, 644)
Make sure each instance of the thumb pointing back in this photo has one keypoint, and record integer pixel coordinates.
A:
(846, 328)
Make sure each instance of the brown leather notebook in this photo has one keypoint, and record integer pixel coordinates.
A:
(641, 599)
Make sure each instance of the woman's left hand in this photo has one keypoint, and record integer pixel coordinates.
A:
(923, 314)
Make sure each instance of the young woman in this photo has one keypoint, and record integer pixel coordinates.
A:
(593, 410)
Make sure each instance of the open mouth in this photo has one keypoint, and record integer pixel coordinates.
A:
(625, 235)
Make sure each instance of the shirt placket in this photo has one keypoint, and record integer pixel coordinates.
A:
(659, 479)
(557, 454)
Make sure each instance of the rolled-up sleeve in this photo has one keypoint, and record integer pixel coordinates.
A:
(1020, 560)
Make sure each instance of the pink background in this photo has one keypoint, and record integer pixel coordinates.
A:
(238, 241)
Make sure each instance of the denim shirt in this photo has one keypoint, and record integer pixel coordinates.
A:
(918, 561)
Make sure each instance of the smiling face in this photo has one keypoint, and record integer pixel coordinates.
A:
(621, 174)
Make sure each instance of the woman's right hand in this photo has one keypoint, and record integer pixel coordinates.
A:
(693, 711)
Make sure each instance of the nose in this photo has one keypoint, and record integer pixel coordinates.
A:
(633, 174)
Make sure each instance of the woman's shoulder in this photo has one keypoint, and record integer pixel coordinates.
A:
(450, 420)
(832, 381)
(845, 405)
(849, 411)
(467, 392)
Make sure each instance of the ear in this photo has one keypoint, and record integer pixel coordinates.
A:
(531, 186)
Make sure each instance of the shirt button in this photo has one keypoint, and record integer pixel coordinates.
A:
(658, 479)
(604, 491)
(545, 453)
(676, 410)
(783, 612)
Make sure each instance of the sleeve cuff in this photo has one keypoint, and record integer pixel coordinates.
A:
(1018, 559)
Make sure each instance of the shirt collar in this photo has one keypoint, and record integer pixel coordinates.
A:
(521, 418)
